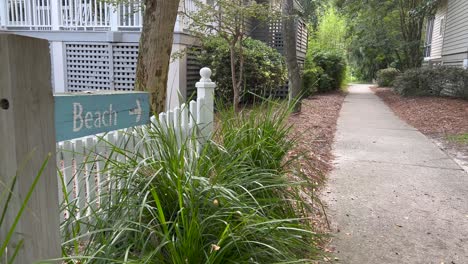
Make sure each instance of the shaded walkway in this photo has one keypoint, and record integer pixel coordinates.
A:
(394, 197)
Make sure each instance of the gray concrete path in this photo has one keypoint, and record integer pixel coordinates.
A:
(394, 196)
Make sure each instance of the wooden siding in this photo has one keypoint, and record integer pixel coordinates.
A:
(455, 47)
(437, 38)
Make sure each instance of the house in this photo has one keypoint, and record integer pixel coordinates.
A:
(94, 44)
(447, 35)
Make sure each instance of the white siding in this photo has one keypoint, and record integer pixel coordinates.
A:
(456, 32)
(437, 37)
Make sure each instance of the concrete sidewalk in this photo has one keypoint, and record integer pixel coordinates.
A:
(394, 196)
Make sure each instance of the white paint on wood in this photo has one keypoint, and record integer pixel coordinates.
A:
(57, 51)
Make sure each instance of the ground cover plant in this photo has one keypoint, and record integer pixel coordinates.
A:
(228, 202)
(462, 138)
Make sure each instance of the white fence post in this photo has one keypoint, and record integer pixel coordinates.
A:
(205, 98)
(27, 138)
(3, 13)
(57, 51)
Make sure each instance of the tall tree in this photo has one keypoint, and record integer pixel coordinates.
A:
(412, 16)
(376, 21)
(290, 45)
(155, 50)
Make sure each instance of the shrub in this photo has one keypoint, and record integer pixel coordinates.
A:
(386, 77)
(333, 66)
(311, 80)
(264, 68)
(437, 81)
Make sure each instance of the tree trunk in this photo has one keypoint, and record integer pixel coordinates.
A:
(411, 28)
(155, 50)
(235, 82)
(289, 39)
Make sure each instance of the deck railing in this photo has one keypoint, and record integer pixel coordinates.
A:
(79, 15)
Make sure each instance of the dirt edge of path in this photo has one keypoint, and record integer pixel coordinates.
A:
(314, 129)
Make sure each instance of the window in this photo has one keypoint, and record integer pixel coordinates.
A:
(428, 42)
(442, 26)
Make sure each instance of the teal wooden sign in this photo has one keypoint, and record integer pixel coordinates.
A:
(79, 115)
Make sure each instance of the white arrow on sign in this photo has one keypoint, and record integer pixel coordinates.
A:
(136, 111)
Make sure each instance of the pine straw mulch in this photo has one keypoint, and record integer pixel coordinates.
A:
(313, 130)
(437, 117)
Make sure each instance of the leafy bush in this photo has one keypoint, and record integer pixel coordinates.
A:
(264, 68)
(386, 77)
(333, 68)
(310, 80)
(229, 203)
(437, 81)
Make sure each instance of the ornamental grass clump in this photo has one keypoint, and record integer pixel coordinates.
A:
(228, 202)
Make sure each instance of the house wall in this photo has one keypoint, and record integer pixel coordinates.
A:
(439, 26)
(455, 46)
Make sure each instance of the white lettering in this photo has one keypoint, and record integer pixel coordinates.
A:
(77, 111)
(88, 118)
(97, 121)
(110, 116)
(104, 118)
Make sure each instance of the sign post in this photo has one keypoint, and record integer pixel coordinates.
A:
(79, 115)
(27, 139)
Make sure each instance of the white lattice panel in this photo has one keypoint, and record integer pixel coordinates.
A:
(125, 57)
(101, 66)
(88, 66)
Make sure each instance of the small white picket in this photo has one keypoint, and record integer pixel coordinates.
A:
(84, 164)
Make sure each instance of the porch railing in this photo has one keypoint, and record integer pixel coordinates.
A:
(79, 15)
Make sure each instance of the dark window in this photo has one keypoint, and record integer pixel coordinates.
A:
(428, 43)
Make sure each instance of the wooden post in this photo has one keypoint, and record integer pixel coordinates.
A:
(27, 138)
(205, 92)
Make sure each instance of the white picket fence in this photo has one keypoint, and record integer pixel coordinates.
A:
(83, 164)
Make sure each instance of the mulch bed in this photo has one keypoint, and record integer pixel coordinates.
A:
(436, 117)
(314, 130)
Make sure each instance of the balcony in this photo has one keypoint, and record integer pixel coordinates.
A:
(79, 15)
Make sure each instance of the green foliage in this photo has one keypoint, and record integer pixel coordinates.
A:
(331, 67)
(325, 66)
(229, 202)
(437, 81)
(330, 34)
(386, 77)
(265, 69)
(232, 27)
(385, 34)
(374, 37)
(461, 139)
(311, 80)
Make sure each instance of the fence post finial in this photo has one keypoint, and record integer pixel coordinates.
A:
(205, 98)
(205, 74)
